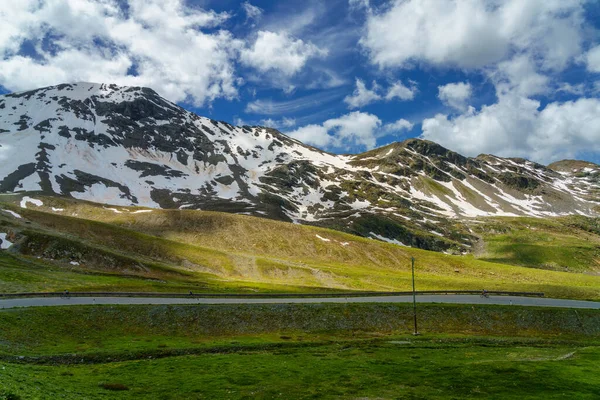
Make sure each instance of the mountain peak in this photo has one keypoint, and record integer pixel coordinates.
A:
(421, 146)
(426, 147)
(80, 91)
(574, 166)
(125, 145)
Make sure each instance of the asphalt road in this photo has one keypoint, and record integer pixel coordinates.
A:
(453, 299)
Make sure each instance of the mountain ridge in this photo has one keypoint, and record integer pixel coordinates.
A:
(28, 93)
(128, 146)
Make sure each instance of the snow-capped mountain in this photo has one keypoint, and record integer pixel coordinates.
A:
(128, 146)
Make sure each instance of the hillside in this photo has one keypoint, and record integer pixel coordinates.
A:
(127, 146)
(570, 243)
(57, 243)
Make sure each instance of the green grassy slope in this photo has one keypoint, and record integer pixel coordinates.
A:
(298, 351)
(207, 251)
(562, 244)
(358, 370)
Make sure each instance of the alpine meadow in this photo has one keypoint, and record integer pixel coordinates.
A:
(346, 199)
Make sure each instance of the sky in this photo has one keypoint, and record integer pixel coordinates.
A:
(514, 78)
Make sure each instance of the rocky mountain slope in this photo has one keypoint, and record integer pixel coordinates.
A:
(128, 146)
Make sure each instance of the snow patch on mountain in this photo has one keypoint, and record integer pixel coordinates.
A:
(127, 146)
(4, 243)
(14, 214)
(25, 200)
(388, 240)
(323, 239)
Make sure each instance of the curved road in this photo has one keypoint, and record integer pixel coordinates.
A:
(454, 299)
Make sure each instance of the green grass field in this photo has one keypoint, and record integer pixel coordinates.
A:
(176, 250)
(569, 244)
(353, 351)
(358, 370)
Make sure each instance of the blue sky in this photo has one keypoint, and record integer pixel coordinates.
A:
(514, 78)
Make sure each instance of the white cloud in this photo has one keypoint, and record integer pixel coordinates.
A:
(237, 121)
(288, 122)
(519, 75)
(355, 129)
(278, 124)
(269, 122)
(277, 51)
(398, 90)
(455, 95)
(362, 96)
(516, 126)
(352, 129)
(593, 59)
(578, 89)
(252, 12)
(521, 46)
(398, 126)
(84, 40)
(315, 135)
(474, 33)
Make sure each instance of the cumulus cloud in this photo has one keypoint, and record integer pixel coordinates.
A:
(355, 129)
(474, 33)
(288, 122)
(278, 51)
(363, 96)
(519, 75)
(592, 59)
(516, 126)
(455, 95)
(400, 91)
(520, 46)
(159, 43)
(316, 135)
(398, 126)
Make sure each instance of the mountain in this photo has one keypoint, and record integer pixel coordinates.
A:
(128, 146)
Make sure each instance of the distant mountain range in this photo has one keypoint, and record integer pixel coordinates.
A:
(128, 146)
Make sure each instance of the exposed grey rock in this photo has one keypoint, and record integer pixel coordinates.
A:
(129, 146)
